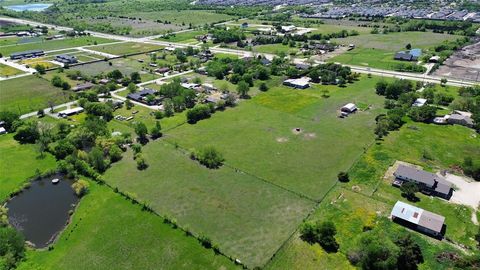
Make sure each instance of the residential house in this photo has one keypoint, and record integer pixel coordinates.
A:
(301, 83)
(460, 119)
(427, 182)
(142, 96)
(418, 219)
(66, 59)
(27, 54)
(70, 112)
(83, 86)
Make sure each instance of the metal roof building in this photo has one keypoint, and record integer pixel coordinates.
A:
(418, 218)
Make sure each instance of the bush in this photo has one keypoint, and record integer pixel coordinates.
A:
(209, 157)
(80, 187)
(198, 113)
(343, 177)
(321, 233)
(205, 241)
(141, 162)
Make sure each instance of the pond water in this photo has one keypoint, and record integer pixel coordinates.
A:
(41, 211)
(29, 7)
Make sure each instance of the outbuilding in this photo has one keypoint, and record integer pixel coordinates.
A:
(301, 83)
(70, 112)
(349, 108)
(418, 219)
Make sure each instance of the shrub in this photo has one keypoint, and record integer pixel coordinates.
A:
(321, 233)
(343, 177)
(209, 157)
(80, 187)
(198, 113)
(141, 162)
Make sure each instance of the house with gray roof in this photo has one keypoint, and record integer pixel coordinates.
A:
(428, 183)
(418, 219)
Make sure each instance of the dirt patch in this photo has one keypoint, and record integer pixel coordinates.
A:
(310, 136)
(466, 190)
(282, 140)
(297, 131)
(356, 188)
(463, 64)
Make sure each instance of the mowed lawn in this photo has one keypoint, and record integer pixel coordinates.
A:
(306, 163)
(29, 93)
(7, 71)
(188, 36)
(109, 232)
(125, 48)
(48, 45)
(397, 41)
(367, 57)
(18, 163)
(351, 213)
(246, 217)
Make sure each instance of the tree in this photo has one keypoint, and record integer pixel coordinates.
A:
(410, 253)
(40, 113)
(374, 252)
(115, 153)
(96, 160)
(141, 162)
(9, 118)
(209, 157)
(343, 177)
(80, 187)
(115, 74)
(12, 247)
(63, 148)
(408, 191)
(132, 88)
(243, 88)
(128, 104)
(263, 87)
(322, 233)
(197, 113)
(422, 114)
(141, 131)
(27, 133)
(156, 131)
(382, 127)
(381, 87)
(135, 77)
(443, 82)
(57, 81)
(408, 46)
(40, 69)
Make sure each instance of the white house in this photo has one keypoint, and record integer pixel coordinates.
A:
(301, 83)
(289, 28)
(419, 102)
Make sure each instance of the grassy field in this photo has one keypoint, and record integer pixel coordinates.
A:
(275, 49)
(374, 58)
(125, 48)
(397, 41)
(246, 217)
(18, 162)
(7, 71)
(184, 36)
(186, 17)
(125, 65)
(297, 162)
(109, 232)
(351, 212)
(30, 93)
(53, 44)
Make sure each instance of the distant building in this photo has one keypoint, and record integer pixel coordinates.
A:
(70, 112)
(460, 119)
(427, 182)
(66, 59)
(103, 81)
(301, 83)
(411, 55)
(27, 54)
(434, 59)
(3, 131)
(419, 102)
(83, 86)
(418, 219)
(162, 70)
(289, 28)
(190, 85)
(349, 108)
(141, 96)
(302, 66)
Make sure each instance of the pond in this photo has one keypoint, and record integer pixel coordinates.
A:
(41, 211)
(29, 7)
